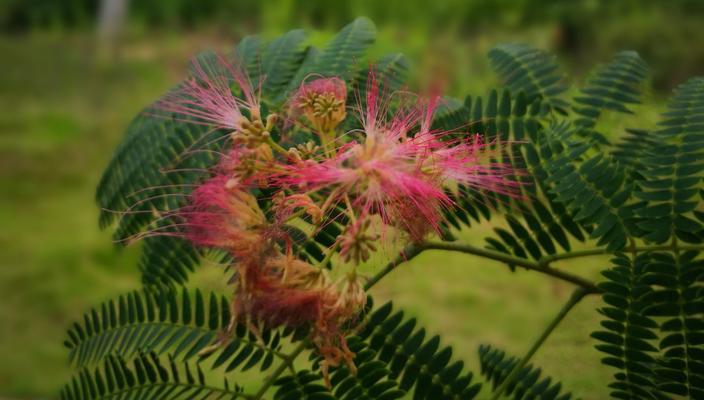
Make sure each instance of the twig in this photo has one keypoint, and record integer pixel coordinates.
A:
(577, 295)
(280, 370)
(544, 268)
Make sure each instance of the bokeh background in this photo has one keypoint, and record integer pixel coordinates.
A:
(73, 73)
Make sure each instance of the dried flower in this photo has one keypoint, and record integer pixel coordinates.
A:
(285, 291)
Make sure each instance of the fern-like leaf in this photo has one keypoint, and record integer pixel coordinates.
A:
(538, 226)
(371, 380)
(281, 60)
(678, 299)
(420, 364)
(342, 56)
(531, 71)
(594, 188)
(148, 377)
(496, 366)
(631, 150)
(675, 168)
(167, 261)
(613, 87)
(628, 333)
(304, 385)
(181, 324)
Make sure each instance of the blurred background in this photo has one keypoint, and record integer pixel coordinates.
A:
(74, 72)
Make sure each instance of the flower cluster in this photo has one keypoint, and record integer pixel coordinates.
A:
(393, 173)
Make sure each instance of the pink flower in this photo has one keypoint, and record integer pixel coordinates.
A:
(224, 215)
(472, 162)
(399, 176)
(206, 96)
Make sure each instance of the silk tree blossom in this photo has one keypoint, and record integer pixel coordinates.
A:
(273, 289)
(358, 242)
(207, 95)
(399, 176)
(472, 163)
(399, 172)
(225, 216)
(207, 98)
(322, 103)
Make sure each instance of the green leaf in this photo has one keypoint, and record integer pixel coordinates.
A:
(148, 377)
(673, 169)
(531, 71)
(419, 365)
(613, 87)
(281, 60)
(180, 330)
(342, 57)
(627, 340)
(496, 366)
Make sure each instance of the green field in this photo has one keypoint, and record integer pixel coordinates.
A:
(63, 112)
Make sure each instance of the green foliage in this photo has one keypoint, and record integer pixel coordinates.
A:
(496, 366)
(341, 57)
(280, 62)
(629, 332)
(678, 301)
(305, 385)
(167, 322)
(370, 381)
(674, 169)
(167, 260)
(537, 227)
(611, 87)
(639, 198)
(531, 71)
(148, 377)
(419, 362)
(594, 190)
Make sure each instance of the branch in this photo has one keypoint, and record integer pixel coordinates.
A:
(412, 250)
(547, 259)
(538, 266)
(408, 253)
(280, 370)
(577, 295)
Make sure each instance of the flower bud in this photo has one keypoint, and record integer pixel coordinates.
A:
(356, 244)
(322, 102)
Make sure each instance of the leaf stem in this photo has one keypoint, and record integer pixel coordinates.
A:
(328, 256)
(270, 141)
(589, 286)
(575, 298)
(408, 253)
(547, 259)
(288, 362)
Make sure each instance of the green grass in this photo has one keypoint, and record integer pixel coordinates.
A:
(63, 114)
